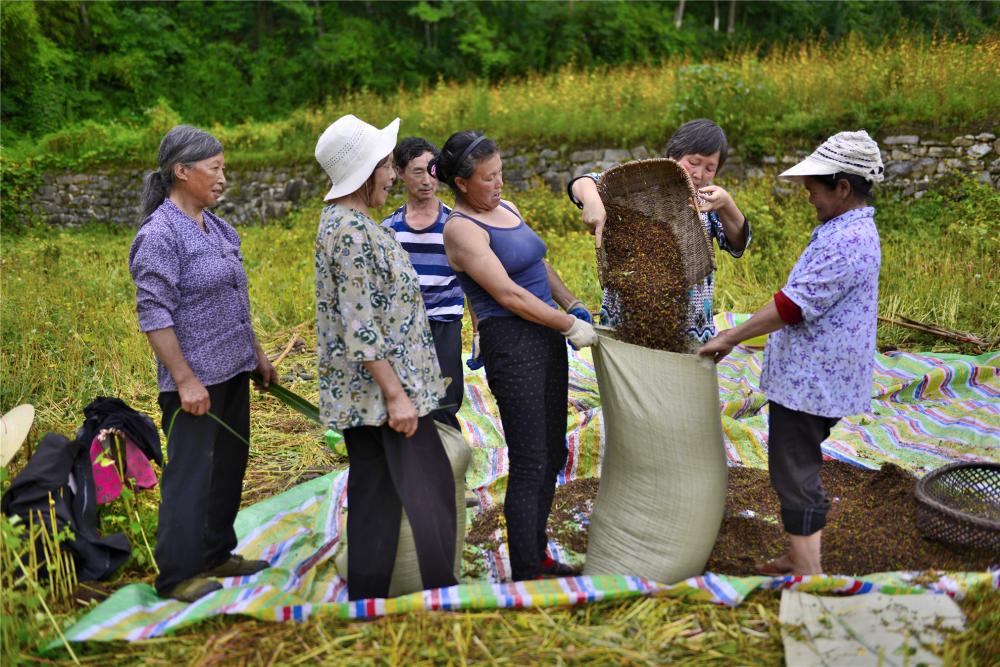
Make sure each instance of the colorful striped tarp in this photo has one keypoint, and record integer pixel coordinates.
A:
(928, 409)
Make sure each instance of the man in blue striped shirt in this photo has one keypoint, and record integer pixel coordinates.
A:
(419, 228)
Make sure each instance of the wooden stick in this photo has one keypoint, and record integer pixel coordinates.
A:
(288, 348)
(935, 330)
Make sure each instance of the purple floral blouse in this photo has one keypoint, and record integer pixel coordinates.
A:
(194, 281)
(823, 365)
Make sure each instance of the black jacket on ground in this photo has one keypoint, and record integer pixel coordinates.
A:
(104, 412)
(48, 471)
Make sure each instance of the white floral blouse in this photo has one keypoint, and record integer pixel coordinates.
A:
(368, 307)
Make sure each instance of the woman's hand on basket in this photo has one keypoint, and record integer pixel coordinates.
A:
(402, 415)
(594, 216)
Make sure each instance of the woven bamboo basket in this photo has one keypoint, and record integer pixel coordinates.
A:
(659, 189)
(960, 504)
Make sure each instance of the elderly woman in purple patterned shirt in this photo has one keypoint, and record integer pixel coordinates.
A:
(193, 305)
(818, 363)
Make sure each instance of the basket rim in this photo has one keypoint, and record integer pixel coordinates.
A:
(920, 492)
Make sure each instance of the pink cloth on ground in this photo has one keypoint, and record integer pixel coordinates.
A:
(106, 479)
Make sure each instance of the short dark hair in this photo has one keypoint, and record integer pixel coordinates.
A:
(410, 148)
(700, 136)
(454, 161)
(861, 187)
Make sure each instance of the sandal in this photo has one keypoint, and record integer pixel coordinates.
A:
(553, 569)
(773, 568)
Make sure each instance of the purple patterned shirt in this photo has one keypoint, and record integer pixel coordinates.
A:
(824, 364)
(194, 281)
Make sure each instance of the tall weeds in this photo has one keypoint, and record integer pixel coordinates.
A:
(799, 94)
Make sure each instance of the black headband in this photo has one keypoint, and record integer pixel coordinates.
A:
(469, 149)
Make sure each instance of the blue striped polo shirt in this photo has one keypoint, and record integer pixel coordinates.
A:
(443, 296)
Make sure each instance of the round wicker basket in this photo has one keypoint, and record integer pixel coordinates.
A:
(661, 190)
(960, 504)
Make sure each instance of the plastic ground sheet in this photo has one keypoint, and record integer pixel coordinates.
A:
(927, 410)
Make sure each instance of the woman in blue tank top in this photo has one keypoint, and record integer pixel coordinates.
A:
(513, 292)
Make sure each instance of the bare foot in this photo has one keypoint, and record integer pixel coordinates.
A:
(804, 554)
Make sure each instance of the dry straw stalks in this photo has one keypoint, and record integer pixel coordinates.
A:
(33, 568)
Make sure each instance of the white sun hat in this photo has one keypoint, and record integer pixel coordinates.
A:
(850, 152)
(14, 427)
(350, 149)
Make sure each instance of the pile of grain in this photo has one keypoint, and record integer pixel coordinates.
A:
(872, 525)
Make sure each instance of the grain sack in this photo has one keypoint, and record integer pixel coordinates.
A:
(406, 572)
(663, 476)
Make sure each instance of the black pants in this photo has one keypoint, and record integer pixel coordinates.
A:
(388, 472)
(202, 482)
(448, 344)
(528, 373)
(794, 459)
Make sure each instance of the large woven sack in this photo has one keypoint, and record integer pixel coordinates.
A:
(663, 477)
(659, 189)
(406, 571)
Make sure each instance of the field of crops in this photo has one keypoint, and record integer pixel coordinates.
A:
(70, 334)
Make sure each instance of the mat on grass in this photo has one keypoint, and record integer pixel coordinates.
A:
(928, 409)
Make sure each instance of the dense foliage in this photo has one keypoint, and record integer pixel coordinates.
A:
(229, 62)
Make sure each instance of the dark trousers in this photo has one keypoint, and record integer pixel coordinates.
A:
(528, 373)
(389, 472)
(794, 459)
(448, 344)
(202, 482)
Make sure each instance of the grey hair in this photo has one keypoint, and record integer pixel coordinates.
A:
(183, 144)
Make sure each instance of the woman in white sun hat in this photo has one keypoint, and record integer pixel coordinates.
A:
(818, 363)
(379, 379)
(14, 427)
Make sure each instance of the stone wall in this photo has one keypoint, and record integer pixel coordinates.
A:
(254, 196)
(251, 196)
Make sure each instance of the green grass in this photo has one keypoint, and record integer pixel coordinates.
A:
(69, 333)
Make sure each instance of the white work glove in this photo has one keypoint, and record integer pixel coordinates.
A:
(581, 334)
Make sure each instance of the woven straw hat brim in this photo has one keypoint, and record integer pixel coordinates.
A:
(380, 146)
(661, 189)
(850, 152)
(809, 167)
(14, 427)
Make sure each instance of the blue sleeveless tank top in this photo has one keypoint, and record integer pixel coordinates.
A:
(521, 251)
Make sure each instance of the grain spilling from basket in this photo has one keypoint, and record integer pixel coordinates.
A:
(655, 249)
(643, 267)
